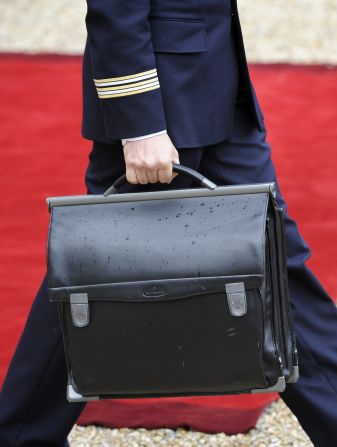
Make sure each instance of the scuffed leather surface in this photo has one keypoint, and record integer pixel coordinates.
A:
(187, 347)
(151, 240)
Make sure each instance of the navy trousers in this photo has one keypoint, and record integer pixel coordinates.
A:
(33, 407)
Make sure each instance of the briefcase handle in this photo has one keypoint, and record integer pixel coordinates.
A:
(181, 169)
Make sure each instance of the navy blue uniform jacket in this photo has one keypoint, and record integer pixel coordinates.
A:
(151, 65)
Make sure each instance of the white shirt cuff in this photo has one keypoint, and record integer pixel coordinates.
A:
(125, 140)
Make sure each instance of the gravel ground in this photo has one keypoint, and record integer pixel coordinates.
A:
(299, 31)
(277, 427)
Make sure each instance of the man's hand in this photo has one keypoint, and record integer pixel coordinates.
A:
(150, 160)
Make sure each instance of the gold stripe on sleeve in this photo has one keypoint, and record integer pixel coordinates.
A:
(121, 78)
(135, 84)
(135, 92)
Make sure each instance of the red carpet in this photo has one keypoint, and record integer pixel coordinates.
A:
(42, 154)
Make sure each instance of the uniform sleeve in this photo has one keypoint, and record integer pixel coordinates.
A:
(143, 137)
(124, 67)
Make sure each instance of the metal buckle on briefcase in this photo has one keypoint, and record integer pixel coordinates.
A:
(79, 307)
(237, 301)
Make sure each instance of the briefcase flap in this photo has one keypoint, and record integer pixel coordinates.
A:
(149, 249)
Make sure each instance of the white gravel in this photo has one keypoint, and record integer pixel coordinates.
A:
(299, 31)
(277, 427)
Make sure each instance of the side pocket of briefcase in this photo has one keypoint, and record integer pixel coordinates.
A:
(285, 336)
(292, 372)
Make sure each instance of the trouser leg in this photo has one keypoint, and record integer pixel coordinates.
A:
(245, 158)
(33, 407)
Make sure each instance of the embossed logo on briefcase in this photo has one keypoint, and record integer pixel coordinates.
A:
(153, 291)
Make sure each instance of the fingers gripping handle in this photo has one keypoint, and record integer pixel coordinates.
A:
(180, 169)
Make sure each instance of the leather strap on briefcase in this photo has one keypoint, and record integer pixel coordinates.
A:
(172, 293)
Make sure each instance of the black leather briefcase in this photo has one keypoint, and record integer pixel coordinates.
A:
(172, 293)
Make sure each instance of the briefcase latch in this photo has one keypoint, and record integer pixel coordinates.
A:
(79, 308)
(236, 297)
